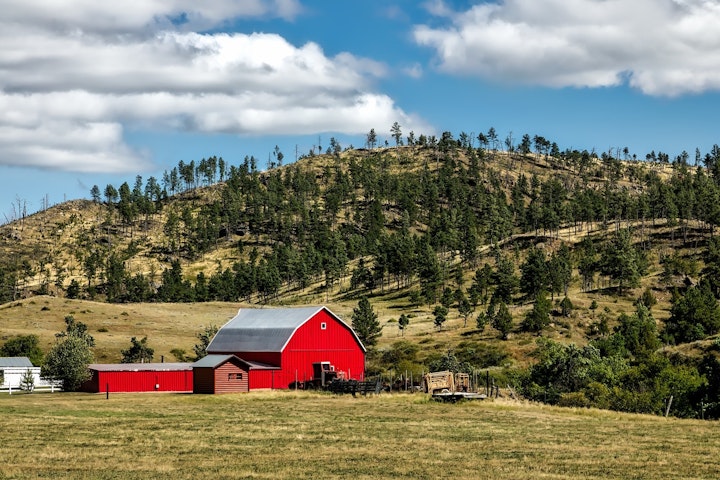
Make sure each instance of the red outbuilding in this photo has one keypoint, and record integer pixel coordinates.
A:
(140, 377)
(224, 374)
(280, 345)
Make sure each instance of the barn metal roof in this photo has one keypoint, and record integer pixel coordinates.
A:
(140, 367)
(15, 362)
(262, 330)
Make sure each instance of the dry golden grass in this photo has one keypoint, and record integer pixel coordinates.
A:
(277, 435)
(167, 326)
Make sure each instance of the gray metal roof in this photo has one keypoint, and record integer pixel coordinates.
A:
(214, 361)
(140, 367)
(261, 330)
(15, 362)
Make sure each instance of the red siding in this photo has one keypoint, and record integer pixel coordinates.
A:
(143, 381)
(269, 358)
(335, 344)
(264, 379)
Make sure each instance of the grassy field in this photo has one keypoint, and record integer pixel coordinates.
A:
(167, 325)
(302, 435)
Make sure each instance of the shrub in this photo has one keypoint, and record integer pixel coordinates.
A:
(574, 399)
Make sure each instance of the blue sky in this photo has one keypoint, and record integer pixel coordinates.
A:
(95, 94)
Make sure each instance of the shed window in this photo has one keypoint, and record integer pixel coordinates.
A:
(234, 376)
(323, 326)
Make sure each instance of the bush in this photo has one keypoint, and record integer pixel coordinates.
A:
(598, 395)
(574, 399)
(23, 346)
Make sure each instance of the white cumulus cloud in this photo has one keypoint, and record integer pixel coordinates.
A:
(661, 47)
(73, 77)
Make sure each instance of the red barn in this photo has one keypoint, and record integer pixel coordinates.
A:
(280, 345)
(140, 377)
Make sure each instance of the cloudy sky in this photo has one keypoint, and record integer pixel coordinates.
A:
(99, 92)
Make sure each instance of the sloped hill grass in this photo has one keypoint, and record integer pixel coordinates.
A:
(303, 435)
(168, 326)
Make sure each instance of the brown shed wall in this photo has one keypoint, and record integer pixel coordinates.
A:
(203, 380)
(231, 378)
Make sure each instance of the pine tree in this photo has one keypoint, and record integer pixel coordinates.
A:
(440, 313)
(539, 317)
(365, 323)
(465, 308)
(502, 321)
(693, 316)
(403, 322)
(205, 337)
(622, 262)
(535, 273)
(27, 381)
(139, 352)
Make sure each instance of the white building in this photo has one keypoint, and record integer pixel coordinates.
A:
(12, 370)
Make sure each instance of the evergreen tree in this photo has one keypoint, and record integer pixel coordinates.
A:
(365, 323)
(638, 332)
(73, 328)
(95, 194)
(588, 263)
(73, 290)
(447, 298)
(566, 306)
(465, 308)
(440, 314)
(204, 337)
(539, 317)
(560, 271)
(481, 321)
(139, 352)
(371, 139)
(403, 323)
(535, 273)
(396, 132)
(505, 280)
(27, 381)
(622, 262)
(502, 321)
(693, 316)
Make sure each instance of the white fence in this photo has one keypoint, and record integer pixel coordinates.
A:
(52, 388)
(12, 380)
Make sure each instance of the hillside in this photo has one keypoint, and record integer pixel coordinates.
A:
(411, 228)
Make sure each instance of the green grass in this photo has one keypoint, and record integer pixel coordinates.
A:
(302, 435)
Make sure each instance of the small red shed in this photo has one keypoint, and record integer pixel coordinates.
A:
(225, 374)
(286, 342)
(140, 377)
